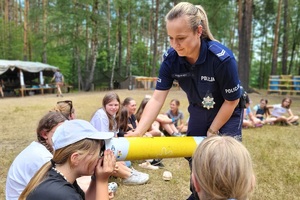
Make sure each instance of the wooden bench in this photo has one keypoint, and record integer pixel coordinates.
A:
(22, 91)
(284, 84)
(66, 88)
(145, 82)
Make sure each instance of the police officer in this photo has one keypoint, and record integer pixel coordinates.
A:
(205, 69)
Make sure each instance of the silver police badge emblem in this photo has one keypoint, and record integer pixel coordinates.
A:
(208, 102)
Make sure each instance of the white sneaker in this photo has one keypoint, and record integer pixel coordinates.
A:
(136, 178)
(177, 134)
(140, 173)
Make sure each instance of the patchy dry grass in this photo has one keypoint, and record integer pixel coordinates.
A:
(275, 149)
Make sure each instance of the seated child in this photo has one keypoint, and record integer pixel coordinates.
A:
(222, 169)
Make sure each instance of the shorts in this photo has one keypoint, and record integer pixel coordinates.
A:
(59, 84)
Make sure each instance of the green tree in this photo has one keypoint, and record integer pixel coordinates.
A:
(264, 17)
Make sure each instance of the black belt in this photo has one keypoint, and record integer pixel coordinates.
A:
(241, 104)
(199, 105)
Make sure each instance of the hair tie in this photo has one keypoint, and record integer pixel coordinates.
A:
(52, 163)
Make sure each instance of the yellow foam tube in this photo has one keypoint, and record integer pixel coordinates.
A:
(141, 148)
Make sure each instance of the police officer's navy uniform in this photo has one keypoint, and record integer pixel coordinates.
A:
(214, 75)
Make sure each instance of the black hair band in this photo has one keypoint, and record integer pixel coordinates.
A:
(52, 163)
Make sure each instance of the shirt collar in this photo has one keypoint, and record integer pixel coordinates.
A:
(202, 57)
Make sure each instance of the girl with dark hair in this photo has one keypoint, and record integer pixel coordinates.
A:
(262, 111)
(250, 120)
(29, 161)
(130, 105)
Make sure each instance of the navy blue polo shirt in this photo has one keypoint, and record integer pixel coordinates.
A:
(214, 74)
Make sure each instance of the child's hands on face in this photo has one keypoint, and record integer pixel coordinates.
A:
(105, 166)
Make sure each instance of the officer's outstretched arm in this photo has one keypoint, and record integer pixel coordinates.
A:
(150, 112)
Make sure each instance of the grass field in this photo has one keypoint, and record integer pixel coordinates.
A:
(275, 149)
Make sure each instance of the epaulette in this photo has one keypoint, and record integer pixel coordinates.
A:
(218, 51)
(167, 53)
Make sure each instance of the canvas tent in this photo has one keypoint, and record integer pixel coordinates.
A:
(17, 73)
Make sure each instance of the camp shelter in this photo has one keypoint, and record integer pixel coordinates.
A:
(24, 74)
(102, 80)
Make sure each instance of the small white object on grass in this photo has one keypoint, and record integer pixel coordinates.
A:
(167, 176)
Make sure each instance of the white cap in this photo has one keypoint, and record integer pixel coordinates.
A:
(75, 130)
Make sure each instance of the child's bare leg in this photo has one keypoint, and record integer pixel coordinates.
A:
(174, 129)
(121, 170)
(154, 130)
(58, 89)
(167, 128)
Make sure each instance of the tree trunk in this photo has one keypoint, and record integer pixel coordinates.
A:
(119, 40)
(3, 33)
(111, 83)
(20, 12)
(15, 12)
(45, 7)
(262, 69)
(275, 43)
(6, 11)
(87, 55)
(35, 20)
(108, 31)
(260, 83)
(77, 63)
(245, 24)
(128, 56)
(150, 30)
(285, 37)
(154, 61)
(77, 49)
(294, 44)
(25, 45)
(94, 48)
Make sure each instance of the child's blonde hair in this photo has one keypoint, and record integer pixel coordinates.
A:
(65, 108)
(222, 169)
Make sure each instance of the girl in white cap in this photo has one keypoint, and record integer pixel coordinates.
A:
(77, 145)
